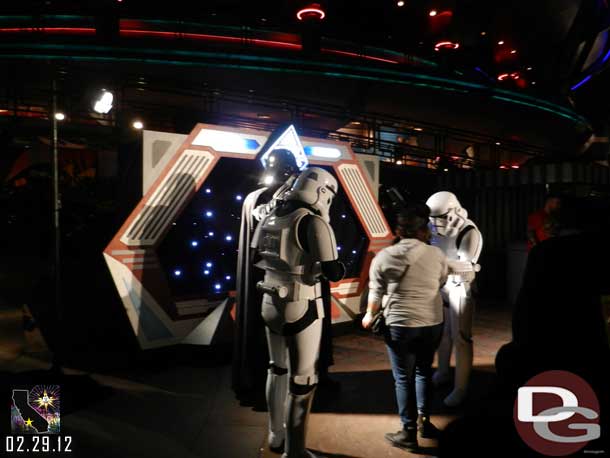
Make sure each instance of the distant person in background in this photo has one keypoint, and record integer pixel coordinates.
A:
(544, 223)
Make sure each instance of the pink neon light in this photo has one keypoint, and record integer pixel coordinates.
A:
(363, 56)
(205, 37)
(514, 76)
(311, 11)
(152, 33)
(64, 30)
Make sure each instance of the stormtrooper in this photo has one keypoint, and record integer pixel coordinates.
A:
(297, 247)
(280, 171)
(461, 241)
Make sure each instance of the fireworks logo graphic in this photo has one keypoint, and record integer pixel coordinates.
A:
(36, 411)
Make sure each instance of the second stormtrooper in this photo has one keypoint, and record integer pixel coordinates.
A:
(461, 241)
(297, 248)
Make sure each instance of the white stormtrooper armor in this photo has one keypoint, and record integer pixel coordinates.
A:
(297, 246)
(461, 241)
(280, 171)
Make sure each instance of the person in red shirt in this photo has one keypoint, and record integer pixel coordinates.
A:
(543, 223)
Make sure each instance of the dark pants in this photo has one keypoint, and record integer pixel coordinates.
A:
(411, 352)
(325, 360)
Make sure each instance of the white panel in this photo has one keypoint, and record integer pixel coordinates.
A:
(224, 141)
(372, 218)
(127, 284)
(370, 164)
(163, 205)
(328, 150)
(346, 288)
(152, 164)
(349, 308)
(204, 333)
(289, 140)
(195, 306)
(120, 274)
(127, 252)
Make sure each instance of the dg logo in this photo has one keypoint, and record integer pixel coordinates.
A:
(556, 413)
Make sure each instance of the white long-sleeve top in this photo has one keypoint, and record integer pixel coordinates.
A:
(415, 301)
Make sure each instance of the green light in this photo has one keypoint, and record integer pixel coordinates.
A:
(538, 101)
(258, 64)
(539, 107)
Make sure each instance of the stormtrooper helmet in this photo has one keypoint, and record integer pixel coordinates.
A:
(317, 188)
(446, 214)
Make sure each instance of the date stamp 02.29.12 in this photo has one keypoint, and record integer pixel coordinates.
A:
(36, 421)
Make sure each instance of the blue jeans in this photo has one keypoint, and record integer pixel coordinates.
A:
(411, 352)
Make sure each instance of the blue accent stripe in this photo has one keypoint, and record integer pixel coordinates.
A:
(583, 81)
(151, 326)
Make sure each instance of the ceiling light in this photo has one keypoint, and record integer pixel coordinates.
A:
(400, 3)
(498, 143)
(313, 11)
(513, 51)
(418, 129)
(263, 116)
(514, 166)
(505, 76)
(398, 162)
(432, 13)
(534, 83)
(528, 68)
(483, 34)
(445, 170)
(60, 116)
(446, 45)
(138, 125)
(501, 42)
(103, 105)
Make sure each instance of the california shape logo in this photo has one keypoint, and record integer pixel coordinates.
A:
(36, 411)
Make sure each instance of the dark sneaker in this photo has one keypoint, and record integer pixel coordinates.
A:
(405, 438)
(426, 429)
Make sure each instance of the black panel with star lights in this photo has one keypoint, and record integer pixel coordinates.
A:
(199, 253)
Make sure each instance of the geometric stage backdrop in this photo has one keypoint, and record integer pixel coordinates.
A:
(173, 260)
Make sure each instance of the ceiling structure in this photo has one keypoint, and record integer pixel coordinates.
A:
(407, 80)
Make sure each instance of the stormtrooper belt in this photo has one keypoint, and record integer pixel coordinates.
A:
(311, 315)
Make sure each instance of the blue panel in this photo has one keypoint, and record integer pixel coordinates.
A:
(153, 327)
(252, 144)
